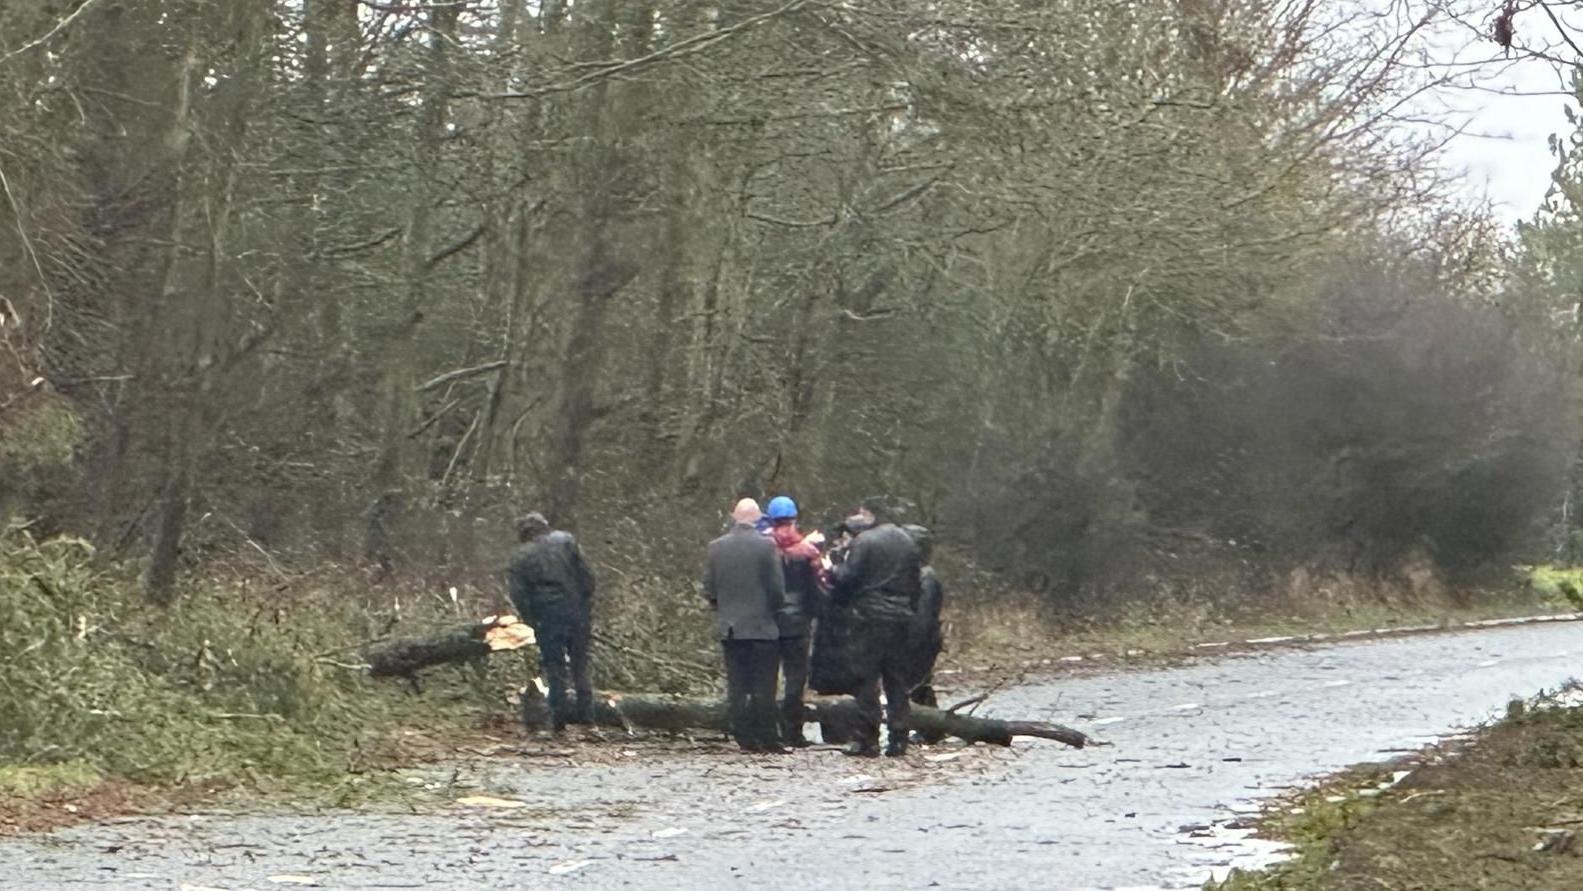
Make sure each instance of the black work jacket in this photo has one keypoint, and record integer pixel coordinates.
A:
(550, 581)
(881, 578)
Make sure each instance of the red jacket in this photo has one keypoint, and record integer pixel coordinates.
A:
(794, 545)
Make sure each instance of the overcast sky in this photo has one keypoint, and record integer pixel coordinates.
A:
(1504, 149)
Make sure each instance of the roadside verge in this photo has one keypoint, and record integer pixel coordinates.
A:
(1498, 808)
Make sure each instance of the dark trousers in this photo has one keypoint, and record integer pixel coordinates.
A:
(563, 654)
(750, 692)
(794, 680)
(883, 666)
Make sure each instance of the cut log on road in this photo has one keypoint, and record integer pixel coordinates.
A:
(406, 656)
(677, 715)
(668, 714)
(840, 713)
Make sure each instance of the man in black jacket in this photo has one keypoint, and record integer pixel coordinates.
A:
(552, 587)
(881, 581)
(745, 585)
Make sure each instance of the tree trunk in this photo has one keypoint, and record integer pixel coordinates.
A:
(399, 403)
(599, 281)
(405, 657)
(665, 329)
(601, 272)
(159, 577)
(194, 307)
(678, 715)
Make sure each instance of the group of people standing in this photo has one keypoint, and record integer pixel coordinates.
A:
(856, 615)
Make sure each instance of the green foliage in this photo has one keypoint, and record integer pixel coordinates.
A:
(231, 686)
(39, 436)
(1422, 425)
(1562, 584)
(30, 781)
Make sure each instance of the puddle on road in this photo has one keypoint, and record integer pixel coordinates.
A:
(1226, 846)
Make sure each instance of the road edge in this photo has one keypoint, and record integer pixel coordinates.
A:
(1137, 659)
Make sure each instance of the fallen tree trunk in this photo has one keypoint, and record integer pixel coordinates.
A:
(834, 713)
(404, 657)
(840, 713)
(837, 716)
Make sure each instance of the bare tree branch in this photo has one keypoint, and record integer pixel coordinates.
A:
(460, 374)
(60, 26)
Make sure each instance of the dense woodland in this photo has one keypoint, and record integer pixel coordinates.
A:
(1111, 294)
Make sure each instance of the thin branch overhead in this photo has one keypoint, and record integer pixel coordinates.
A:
(47, 36)
(605, 70)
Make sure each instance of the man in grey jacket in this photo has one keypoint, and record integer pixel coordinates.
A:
(743, 582)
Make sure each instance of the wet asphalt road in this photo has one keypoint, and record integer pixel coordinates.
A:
(1193, 746)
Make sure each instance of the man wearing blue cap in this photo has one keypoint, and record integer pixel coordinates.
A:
(800, 557)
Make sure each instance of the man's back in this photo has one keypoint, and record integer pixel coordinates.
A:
(549, 578)
(743, 580)
(881, 577)
(552, 586)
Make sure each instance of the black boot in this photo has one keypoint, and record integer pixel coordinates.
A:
(896, 746)
(792, 735)
(862, 750)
